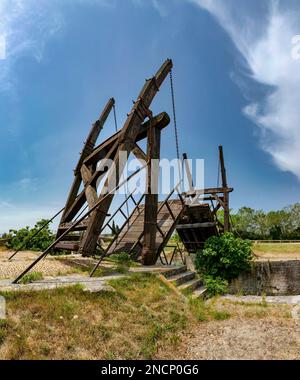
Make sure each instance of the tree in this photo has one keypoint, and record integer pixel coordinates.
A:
(26, 236)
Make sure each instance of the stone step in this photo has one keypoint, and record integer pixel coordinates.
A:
(182, 278)
(173, 271)
(68, 245)
(199, 292)
(191, 285)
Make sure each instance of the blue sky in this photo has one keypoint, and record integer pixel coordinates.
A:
(235, 80)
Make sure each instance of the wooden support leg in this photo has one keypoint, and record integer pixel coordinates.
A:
(226, 213)
(226, 194)
(149, 256)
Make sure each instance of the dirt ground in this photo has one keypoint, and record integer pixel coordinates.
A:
(250, 340)
(250, 331)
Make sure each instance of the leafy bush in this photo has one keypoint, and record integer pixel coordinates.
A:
(215, 286)
(224, 257)
(25, 236)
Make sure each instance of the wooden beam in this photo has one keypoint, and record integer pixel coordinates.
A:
(90, 191)
(139, 153)
(188, 172)
(97, 175)
(149, 256)
(196, 225)
(219, 200)
(161, 121)
(214, 190)
(226, 194)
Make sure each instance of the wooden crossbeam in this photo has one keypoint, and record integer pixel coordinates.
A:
(219, 200)
(97, 175)
(196, 225)
(139, 153)
(90, 191)
(161, 121)
(214, 190)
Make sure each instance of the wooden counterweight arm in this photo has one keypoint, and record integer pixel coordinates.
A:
(86, 151)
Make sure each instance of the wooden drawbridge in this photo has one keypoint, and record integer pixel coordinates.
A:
(130, 238)
(146, 232)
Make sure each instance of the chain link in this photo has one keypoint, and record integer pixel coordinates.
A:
(175, 123)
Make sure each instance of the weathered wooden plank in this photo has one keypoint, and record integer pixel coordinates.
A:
(196, 225)
(226, 194)
(213, 190)
(90, 191)
(69, 246)
(151, 198)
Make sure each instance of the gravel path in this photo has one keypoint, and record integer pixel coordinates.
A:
(48, 267)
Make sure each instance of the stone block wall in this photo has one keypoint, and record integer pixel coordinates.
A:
(269, 277)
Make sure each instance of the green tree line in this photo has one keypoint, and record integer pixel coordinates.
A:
(273, 225)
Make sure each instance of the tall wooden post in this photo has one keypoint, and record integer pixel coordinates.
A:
(188, 172)
(226, 194)
(151, 199)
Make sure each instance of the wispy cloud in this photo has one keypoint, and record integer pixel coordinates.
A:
(264, 43)
(27, 26)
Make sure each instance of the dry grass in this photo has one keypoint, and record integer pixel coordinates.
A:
(278, 250)
(133, 322)
(143, 319)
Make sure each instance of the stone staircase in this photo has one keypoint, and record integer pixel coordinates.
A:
(186, 281)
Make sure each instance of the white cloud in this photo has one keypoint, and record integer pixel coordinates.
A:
(27, 25)
(266, 47)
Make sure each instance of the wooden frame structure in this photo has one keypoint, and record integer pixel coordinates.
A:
(91, 169)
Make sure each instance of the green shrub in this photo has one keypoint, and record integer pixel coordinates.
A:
(215, 286)
(224, 257)
(25, 236)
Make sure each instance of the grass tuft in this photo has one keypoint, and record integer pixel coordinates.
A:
(31, 277)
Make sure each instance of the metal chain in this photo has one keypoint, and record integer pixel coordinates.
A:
(175, 121)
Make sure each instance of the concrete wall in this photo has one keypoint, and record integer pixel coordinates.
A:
(269, 277)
